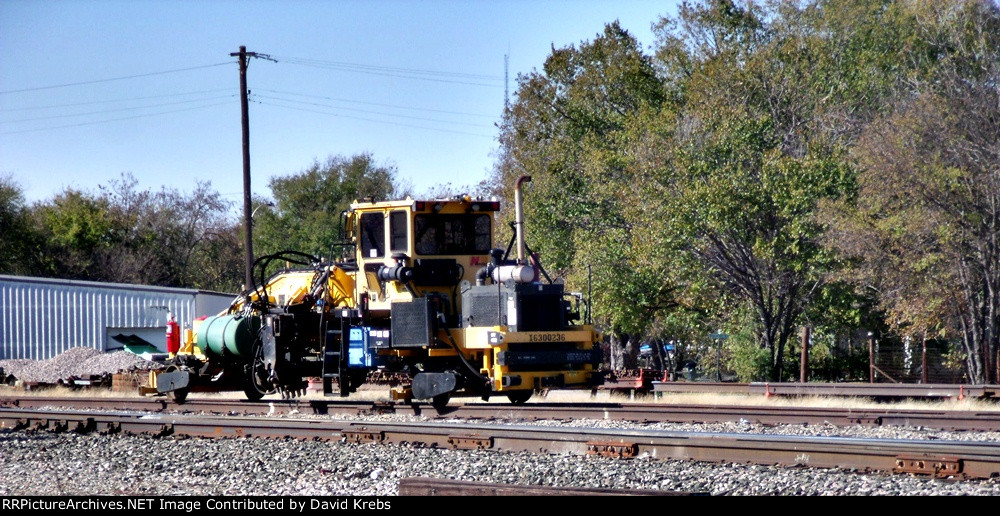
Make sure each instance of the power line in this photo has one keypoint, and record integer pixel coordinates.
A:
(334, 99)
(110, 101)
(116, 119)
(411, 71)
(38, 88)
(339, 115)
(116, 110)
(404, 73)
(369, 111)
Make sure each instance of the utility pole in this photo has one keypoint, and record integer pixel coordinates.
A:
(245, 110)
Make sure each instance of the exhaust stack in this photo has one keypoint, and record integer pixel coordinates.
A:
(519, 218)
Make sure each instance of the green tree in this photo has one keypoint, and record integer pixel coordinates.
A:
(742, 163)
(692, 182)
(307, 205)
(568, 128)
(922, 230)
(18, 238)
(929, 202)
(127, 234)
(76, 227)
(161, 237)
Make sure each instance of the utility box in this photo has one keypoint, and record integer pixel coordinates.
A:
(412, 323)
(519, 306)
(358, 353)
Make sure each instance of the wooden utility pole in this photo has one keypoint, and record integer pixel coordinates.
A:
(245, 111)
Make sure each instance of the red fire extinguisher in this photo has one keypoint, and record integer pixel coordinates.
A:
(173, 334)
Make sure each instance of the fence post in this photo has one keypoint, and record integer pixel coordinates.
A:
(804, 359)
(923, 362)
(871, 357)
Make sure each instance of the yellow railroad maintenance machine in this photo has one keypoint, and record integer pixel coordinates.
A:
(424, 293)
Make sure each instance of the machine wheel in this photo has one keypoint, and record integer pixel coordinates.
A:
(256, 375)
(520, 397)
(357, 378)
(179, 395)
(440, 402)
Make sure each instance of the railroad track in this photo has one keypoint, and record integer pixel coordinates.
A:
(637, 412)
(447, 487)
(937, 458)
(846, 389)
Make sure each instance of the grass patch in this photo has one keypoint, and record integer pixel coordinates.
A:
(381, 393)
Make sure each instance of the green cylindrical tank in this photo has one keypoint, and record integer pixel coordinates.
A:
(228, 335)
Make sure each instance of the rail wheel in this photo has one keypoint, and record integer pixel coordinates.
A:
(256, 375)
(440, 402)
(520, 397)
(179, 395)
(356, 378)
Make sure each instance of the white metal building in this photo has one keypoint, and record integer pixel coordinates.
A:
(42, 317)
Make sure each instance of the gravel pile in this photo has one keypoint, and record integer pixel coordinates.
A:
(70, 464)
(75, 362)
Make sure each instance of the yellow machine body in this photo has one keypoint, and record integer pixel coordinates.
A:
(421, 291)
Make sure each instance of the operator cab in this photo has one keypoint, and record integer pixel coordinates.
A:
(408, 249)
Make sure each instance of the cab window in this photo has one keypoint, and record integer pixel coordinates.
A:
(397, 231)
(372, 235)
(449, 234)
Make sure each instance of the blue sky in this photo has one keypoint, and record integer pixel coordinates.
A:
(416, 84)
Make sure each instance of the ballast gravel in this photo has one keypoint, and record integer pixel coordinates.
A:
(75, 362)
(36, 463)
(736, 427)
(93, 464)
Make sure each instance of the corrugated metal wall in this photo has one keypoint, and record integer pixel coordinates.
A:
(40, 318)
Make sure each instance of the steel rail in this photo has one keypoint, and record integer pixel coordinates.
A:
(865, 390)
(931, 457)
(421, 486)
(657, 413)
(638, 412)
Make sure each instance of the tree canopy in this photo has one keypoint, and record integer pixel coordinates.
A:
(716, 180)
(307, 205)
(124, 234)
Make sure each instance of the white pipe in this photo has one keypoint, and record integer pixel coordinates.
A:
(515, 273)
